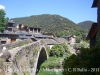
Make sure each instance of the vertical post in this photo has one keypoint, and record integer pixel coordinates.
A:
(33, 30)
(29, 30)
(37, 30)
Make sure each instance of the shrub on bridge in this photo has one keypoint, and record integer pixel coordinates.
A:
(86, 59)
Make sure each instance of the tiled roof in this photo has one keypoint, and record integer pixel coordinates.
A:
(41, 35)
(93, 31)
(11, 21)
(95, 2)
(60, 40)
(66, 36)
(50, 41)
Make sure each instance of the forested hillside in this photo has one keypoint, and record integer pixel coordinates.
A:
(85, 24)
(56, 24)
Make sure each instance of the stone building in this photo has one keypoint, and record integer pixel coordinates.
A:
(10, 27)
(8, 35)
(70, 39)
(13, 33)
(34, 30)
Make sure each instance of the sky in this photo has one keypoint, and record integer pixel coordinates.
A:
(75, 10)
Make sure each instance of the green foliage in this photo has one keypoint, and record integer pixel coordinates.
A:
(86, 59)
(58, 25)
(31, 61)
(42, 42)
(59, 73)
(79, 45)
(98, 39)
(52, 62)
(44, 72)
(65, 46)
(3, 20)
(35, 50)
(11, 47)
(57, 50)
(15, 73)
(78, 39)
(21, 44)
(23, 64)
(26, 42)
(26, 52)
(17, 57)
(1, 63)
(68, 54)
(26, 72)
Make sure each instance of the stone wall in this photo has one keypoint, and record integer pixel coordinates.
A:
(15, 44)
(26, 57)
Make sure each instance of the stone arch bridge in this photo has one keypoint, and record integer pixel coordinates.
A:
(26, 57)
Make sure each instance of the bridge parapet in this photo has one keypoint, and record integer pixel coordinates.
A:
(15, 44)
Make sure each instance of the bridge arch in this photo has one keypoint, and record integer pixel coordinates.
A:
(41, 57)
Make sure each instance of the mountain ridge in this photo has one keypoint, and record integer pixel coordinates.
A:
(56, 24)
(85, 24)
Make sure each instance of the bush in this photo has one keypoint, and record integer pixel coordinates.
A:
(86, 59)
(15, 73)
(80, 45)
(57, 50)
(44, 72)
(49, 72)
(78, 39)
(52, 62)
(65, 46)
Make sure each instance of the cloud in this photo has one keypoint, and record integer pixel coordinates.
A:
(2, 7)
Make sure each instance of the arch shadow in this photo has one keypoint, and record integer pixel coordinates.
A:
(42, 57)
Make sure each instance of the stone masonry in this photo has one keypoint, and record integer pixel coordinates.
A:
(24, 59)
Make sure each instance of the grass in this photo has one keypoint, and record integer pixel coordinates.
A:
(17, 57)
(26, 72)
(11, 47)
(15, 73)
(52, 62)
(31, 61)
(23, 63)
(22, 44)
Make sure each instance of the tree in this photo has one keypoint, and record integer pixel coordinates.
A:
(3, 20)
(78, 39)
(83, 63)
(57, 50)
